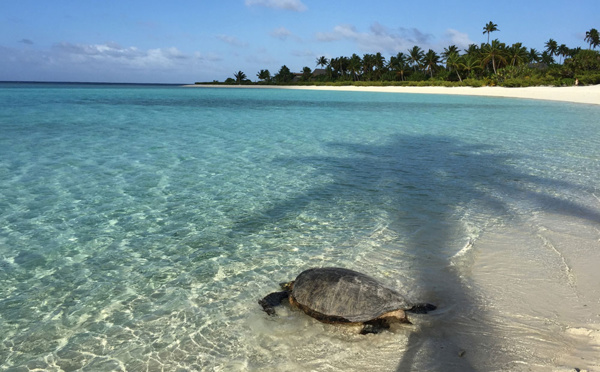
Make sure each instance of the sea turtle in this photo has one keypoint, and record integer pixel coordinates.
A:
(338, 295)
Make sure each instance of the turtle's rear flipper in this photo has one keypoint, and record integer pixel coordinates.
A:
(271, 300)
(374, 326)
(423, 308)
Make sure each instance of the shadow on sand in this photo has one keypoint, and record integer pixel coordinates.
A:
(427, 184)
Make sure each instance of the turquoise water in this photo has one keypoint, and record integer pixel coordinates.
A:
(139, 225)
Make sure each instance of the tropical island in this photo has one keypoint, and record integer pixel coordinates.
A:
(489, 64)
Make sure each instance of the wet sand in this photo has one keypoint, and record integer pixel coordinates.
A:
(537, 286)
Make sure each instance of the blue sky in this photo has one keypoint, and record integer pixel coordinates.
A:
(184, 41)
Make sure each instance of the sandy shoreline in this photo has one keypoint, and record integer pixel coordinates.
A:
(533, 309)
(582, 94)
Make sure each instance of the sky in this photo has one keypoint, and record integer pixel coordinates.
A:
(184, 41)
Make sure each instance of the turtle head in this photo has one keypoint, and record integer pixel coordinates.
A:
(423, 308)
(287, 286)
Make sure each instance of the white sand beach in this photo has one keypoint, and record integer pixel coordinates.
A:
(580, 94)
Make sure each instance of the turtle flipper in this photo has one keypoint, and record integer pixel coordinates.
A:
(271, 300)
(374, 326)
(423, 308)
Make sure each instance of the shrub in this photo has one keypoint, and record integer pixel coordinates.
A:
(444, 75)
(585, 60)
(589, 79)
(522, 82)
(470, 82)
(417, 76)
(567, 82)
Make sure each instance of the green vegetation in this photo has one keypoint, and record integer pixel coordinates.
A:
(489, 28)
(489, 64)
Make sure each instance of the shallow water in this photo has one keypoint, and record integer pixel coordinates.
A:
(140, 225)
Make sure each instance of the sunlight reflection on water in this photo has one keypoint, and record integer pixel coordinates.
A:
(141, 226)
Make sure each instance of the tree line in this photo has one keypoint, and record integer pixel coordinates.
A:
(490, 63)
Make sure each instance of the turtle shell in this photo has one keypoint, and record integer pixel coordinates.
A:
(342, 295)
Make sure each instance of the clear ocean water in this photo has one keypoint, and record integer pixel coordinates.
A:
(139, 225)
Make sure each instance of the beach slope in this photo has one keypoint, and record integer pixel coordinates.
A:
(580, 94)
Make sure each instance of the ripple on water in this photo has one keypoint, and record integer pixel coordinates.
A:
(141, 226)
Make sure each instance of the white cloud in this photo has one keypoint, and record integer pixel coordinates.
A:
(339, 32)
(294, 5)
(378, 38)
(103, 62)
(281, 33)
(305, 54)
(81, 52)
(231, 40)
(460, 39)
(212, 57)
(116, 55)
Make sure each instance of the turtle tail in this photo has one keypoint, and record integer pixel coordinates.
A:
(423, 308)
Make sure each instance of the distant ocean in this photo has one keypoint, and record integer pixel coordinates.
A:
(139, 225)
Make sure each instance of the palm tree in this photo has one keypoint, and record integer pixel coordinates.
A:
(416, 57)
(329, 72)
(471, 63)
(379, 64)
(573, 52)
(398, 64)
(264, 75)
(452, 49)
(239, 77)
(284, 75)
(593, 38)
(533, 56)
(563, 51)
(344, 63)
(454, 61)
(306, 74)
(517, 54)
(340, 66)
(494, 52)
(368, 64)
(335, 65)
(547, 58)
(489, 28)
(551, 47)
(322, 61)
(431, 61)
(473, 49)
(354, 66)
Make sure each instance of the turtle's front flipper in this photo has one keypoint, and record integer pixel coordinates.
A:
(423, 308)
(271, 300)
(374, 326)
